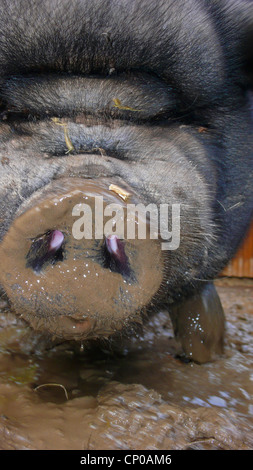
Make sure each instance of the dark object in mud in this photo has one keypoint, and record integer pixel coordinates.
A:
(83, 114)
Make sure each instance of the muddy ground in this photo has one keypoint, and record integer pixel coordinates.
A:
(139, 395)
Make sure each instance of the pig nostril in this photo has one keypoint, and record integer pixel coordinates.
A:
(115, 257)
(47, 247)
(55, 240)
(115, 247)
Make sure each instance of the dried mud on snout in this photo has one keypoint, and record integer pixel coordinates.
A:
(139, 397)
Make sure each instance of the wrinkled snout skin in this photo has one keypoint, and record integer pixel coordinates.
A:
(126, 102)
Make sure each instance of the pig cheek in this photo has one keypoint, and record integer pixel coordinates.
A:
(76, 297)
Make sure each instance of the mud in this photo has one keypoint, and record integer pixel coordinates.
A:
(139, 395)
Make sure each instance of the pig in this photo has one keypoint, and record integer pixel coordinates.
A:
(111, 103)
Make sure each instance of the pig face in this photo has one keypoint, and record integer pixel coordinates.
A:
(124, 102)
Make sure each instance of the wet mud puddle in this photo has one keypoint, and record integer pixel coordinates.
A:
(136, 396)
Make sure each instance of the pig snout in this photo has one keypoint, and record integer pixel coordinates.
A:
(64, 275)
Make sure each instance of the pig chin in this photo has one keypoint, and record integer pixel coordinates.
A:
(77, 287)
